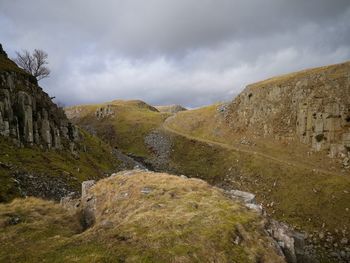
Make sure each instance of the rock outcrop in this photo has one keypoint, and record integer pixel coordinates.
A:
(27, 113)
(2, 52)
(291, 242)
(104, 111)
(312, 106)
(136, 199)
(288, 242)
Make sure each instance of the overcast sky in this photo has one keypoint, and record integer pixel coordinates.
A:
(189, 52)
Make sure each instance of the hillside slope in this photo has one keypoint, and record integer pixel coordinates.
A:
(296, 184)
(170, 108)
(301, 180)
(312, 106)
(138, 217)
(122, 124)
(41, 152)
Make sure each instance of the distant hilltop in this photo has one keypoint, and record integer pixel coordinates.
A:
(170, 108)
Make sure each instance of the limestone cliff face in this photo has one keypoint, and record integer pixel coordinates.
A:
(27, 113)
(312, 106)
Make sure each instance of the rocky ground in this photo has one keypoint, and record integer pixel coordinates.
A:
(160, 144)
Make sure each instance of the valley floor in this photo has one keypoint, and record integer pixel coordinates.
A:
(307, 190)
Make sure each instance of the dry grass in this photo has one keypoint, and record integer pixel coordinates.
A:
(309, 187)
(179, 220)
(126, 128)
(30, 228)
(95, 159)
(332, 71)
(207, 125)
(209, 150)
(204, 122)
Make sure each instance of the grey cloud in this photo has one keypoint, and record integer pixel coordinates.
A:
(192, 52)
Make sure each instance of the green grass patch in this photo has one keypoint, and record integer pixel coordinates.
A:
(126, 128)
(94, 160)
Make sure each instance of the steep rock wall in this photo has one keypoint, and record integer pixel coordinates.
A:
(312, 106)
(27, 113)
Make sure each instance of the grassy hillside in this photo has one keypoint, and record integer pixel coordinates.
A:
(304, 198)
(31, 124)
(205, 122)
(208, 124)
(309, 192)
(126, 126)
(92, 160)
(140, 217)
(335, 71)
(306, 191)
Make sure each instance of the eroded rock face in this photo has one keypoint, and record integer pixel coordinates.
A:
(104, 112)
(291, 242)
(312, 106)
(24, 114)
(27, 113)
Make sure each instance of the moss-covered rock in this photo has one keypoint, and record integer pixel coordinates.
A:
(139, 217)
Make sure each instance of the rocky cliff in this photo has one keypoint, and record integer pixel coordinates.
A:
(27, 113)
(41, 153)
(312, 106)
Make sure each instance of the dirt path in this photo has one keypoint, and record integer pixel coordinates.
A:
(166, 127)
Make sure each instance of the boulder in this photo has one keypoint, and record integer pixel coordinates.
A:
(255, 207)
(245, 197)
(291, 242)
(85, 187)
(88, 203)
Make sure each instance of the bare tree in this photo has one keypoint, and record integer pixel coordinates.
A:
(33, 63)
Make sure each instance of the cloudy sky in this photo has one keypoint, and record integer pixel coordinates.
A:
(189, 52)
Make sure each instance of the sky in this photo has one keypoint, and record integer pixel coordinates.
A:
(188, 52)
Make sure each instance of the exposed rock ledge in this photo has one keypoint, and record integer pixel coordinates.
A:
(27, 113)
(311, 106)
